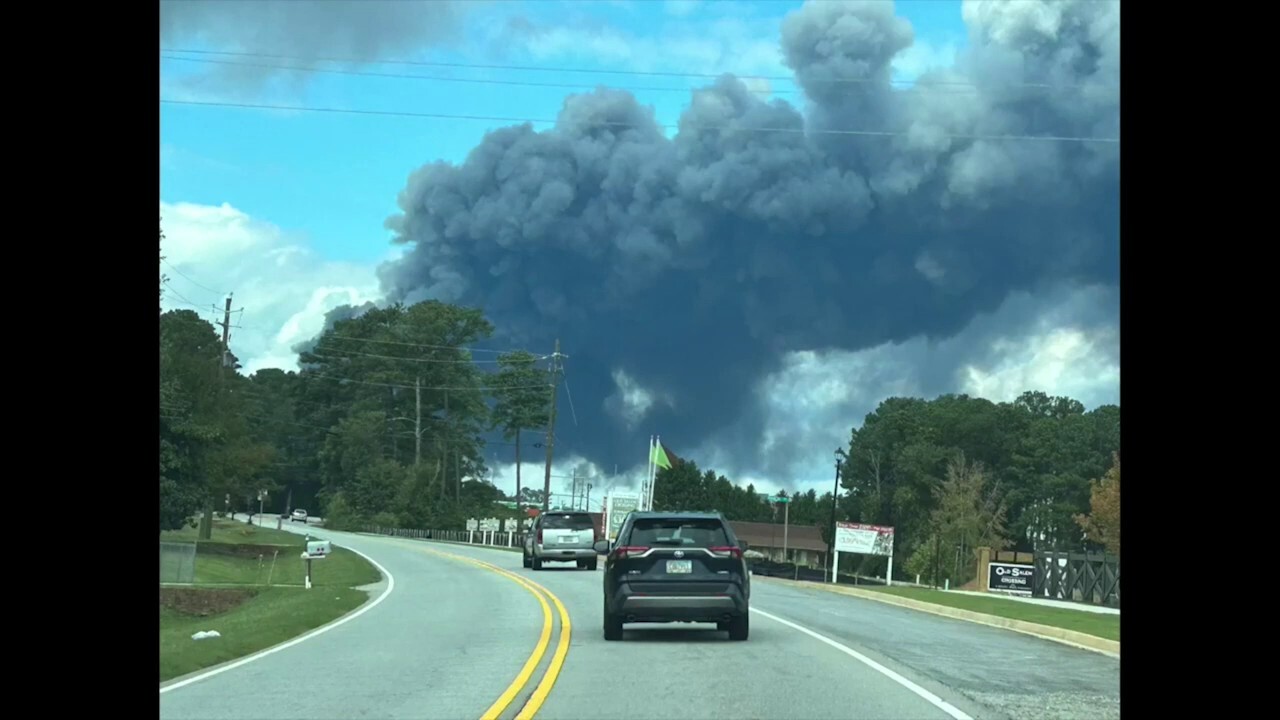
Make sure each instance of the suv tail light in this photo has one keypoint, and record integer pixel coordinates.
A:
(727, 551)
(623, 552)
(539, 536)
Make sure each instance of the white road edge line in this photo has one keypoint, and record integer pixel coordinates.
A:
(391, 585)
(934, 700)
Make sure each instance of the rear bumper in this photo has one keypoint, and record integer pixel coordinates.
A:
(673, 606)
(564, 554)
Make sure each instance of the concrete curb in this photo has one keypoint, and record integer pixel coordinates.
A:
(1084, 641)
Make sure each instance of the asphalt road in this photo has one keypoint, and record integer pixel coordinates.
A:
(452, 636)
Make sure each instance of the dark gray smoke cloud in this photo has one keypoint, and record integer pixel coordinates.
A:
(362, 30)
(695, 263)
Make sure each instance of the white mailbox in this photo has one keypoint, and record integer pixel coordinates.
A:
(318, 549)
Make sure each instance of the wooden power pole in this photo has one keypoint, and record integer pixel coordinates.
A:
(206, 527)
(551, 428)
(417, 420)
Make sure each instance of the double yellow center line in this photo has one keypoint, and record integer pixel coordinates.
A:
(531, 665)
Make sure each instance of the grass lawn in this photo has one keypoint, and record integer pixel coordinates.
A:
(232, 595)
(1097, 624)
(245, 554)
(263, 617)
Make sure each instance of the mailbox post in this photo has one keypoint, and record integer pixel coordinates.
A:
(316, 550)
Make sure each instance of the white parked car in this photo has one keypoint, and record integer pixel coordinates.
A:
(298, 515)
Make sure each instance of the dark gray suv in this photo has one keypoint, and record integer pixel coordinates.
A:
(676, 567)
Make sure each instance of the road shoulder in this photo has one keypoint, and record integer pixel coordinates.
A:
(1085, 641)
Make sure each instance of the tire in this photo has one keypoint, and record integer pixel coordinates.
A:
(740, 627)
(536, 562)
(524, 560)
(593, 564)
(612, 624)
(582, 564)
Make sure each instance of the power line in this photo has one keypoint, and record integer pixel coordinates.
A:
(625, 125)
(481, 81)
(185, 299)
(572, 411)
(331, 429)
(181, 300)
(446, 78)
(418, 345)
(590, 71)
(190, 279)
(350, 354)
(408, 387)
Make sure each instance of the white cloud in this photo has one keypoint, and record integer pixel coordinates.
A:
(727, 44)
(1063, 361)
(282, 289)
(922, 57)
(1063, 343)
(631, 402)
(533, 474)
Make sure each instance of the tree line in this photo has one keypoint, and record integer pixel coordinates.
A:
(950, 475)
(384, 424)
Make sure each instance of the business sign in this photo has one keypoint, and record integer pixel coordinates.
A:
(620, 505)
(1012, 578)
(473, 524)
(864, 539)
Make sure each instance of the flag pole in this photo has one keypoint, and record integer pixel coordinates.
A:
(653, 479)
(648, 474)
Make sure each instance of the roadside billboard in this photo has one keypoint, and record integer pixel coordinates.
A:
(618, 506)
(864, 539)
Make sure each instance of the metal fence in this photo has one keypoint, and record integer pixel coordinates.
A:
(1078, 577)
(471, 537)
(177, 562)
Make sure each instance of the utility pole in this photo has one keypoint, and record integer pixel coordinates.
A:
(417, 420)
(444, 460)
(786, 525)
(551, 427)
(226, 331)
(206, 527)
(578, 484)
(835, 493)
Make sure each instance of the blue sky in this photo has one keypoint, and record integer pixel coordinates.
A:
(333, 179)
(286, 209)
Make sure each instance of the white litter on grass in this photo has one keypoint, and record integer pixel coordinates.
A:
(204, 634)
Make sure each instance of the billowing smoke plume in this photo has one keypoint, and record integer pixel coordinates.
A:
(690, 265)
(304, 30)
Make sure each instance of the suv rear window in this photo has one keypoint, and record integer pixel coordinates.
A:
(689, 533)
(568, 522)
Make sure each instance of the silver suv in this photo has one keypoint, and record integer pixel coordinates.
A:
(561, 536)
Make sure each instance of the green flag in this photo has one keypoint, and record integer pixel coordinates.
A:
(660, 456)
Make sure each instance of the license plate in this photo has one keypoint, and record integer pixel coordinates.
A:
(567, 538)
(679, 567)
